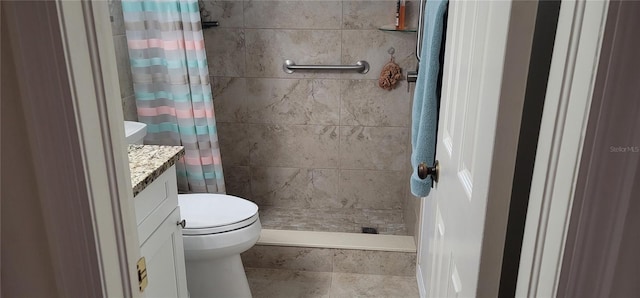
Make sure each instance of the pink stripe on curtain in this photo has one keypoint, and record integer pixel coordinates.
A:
(169, 45)
(206, 160)
(182, 114)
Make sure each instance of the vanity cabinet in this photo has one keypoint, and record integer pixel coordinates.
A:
(160, 237)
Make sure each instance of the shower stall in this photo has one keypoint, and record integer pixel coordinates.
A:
(321, 150)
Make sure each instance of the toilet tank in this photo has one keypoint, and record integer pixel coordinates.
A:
(134, 132)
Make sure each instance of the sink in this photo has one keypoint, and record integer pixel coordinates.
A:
(134, 132)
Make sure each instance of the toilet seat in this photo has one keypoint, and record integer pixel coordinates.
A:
(215, 213)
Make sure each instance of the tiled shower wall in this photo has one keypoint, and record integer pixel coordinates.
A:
(311, 140)
(305, 140)
(127, 98)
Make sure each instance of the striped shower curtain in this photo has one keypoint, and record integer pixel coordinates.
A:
(171, 84)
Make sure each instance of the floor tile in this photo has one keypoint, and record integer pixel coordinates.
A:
(350, 285)
(374, 262)
(291, 258)
(268, 283)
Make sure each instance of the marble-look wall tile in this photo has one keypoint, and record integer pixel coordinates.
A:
(234, 143)
(348, 285)
(306, 146)
(292, 258)
(277, 283)
(411, 208)
(365, 103)
(276, 101)
(373, 46)
(129, 109)
(229, 14)
(295, 187)
(123, 65)
(325, 189)
(373, 14)
(230, 99)
(371, 189)
(293, 101)
(117, 18)
(238, 181)
(326, 14)
(374, 148)
(374, 262)
(267, 49)
(225, 51)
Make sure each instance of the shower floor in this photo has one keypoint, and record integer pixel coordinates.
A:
(389, 222)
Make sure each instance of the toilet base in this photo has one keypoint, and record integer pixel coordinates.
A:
(221, 277)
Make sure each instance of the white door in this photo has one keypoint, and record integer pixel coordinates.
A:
(464, 220)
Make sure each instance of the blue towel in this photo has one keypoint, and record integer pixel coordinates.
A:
(426, 95)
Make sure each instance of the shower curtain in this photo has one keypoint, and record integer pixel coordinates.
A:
(171, 84)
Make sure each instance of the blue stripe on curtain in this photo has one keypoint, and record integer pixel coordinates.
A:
(181, 129)
(169, 63)
(185, 97)
(159, 7)
(207, 175)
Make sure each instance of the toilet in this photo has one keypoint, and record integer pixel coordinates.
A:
(218, 228)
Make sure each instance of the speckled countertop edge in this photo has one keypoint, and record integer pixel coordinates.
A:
(148, 162)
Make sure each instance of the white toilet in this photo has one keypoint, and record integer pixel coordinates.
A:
(218, 228)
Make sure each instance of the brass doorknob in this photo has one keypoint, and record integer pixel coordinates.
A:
(424, 171)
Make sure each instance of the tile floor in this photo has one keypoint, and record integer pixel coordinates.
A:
(276, 283)
(370, 262)
(386, 221)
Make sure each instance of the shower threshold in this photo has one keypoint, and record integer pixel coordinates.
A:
(337, 240)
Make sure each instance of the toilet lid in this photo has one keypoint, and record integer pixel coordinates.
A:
(215, 213)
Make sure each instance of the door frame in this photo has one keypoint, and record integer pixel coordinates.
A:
(87, 199)
(564, 121)
(601, 249)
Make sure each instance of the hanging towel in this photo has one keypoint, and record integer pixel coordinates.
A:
(427, 95)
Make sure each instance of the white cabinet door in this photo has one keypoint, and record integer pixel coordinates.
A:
(164, 254)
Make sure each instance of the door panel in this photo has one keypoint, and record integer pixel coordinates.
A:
(460, 198)
(480, 36)
(440, 269)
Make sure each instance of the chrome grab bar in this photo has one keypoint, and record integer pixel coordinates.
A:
(360, 66)
(206, 25)
(420, 30)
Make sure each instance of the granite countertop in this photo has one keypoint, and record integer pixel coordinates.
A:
(148, 162)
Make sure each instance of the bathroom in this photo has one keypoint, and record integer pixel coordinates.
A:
(316, 151)
(68, 216)
(325, 156)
